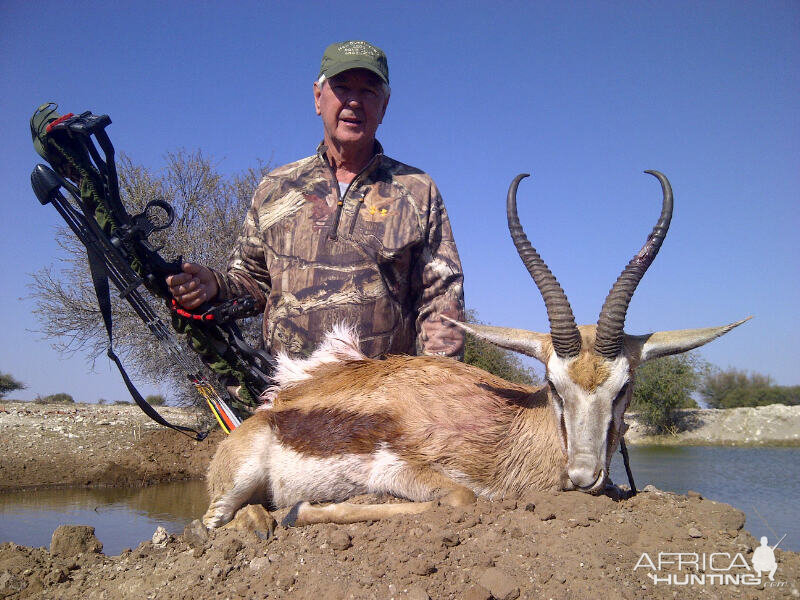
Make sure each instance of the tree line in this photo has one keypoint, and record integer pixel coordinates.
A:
(673, 382)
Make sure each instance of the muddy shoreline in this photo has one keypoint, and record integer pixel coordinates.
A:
(563, 546)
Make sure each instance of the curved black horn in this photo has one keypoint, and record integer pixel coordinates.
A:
(612, 316)
(565, 335)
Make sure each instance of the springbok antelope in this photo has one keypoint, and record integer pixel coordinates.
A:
(431, 429)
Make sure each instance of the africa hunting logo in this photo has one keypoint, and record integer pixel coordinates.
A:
(715, 568)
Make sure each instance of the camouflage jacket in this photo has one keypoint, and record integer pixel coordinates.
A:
(382, 258)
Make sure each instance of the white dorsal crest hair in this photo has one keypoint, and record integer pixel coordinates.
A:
(340, 344)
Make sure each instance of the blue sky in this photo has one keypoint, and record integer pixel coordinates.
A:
(583, 95)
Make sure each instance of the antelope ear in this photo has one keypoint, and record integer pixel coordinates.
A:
(664, 343)
(530, 343)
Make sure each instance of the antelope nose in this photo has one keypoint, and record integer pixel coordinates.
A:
(583, 474)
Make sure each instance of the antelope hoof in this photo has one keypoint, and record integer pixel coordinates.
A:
(215, 516)
(292, 518)
(616, 492)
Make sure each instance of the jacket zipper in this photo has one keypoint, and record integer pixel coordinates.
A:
(340, 202)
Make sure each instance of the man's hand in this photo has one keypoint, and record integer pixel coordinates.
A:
(194, 286)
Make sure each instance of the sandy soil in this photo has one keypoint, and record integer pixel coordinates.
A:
(566, 545)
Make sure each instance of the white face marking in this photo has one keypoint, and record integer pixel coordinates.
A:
(586, 416)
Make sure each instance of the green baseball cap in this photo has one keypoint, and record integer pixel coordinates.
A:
(354, 54)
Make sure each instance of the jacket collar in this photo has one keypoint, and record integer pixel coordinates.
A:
(377, 154)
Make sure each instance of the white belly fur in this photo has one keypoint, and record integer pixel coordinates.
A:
(297, 477)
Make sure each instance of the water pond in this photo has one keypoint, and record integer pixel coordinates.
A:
(122, 517)
(764, 483)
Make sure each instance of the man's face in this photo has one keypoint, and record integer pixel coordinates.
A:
(352, 105)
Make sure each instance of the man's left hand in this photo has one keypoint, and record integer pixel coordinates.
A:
(194, 286)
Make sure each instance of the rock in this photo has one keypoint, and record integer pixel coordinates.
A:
(650, 488)
(450, 539)
(9, 584)
(195, 534)
(501, 585)
(420, 567)
(71, 540)
(545, 507)
(417, 593)
(56, 575)
(695, 533)
(284, 581)
(477, 592)
(732, 519)
(256, 518)
(230, 548)
(693, 494)
(509, 504)
(340, 540)
(260, 563)
(160, 537)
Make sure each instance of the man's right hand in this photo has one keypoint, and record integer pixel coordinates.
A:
(194, 286)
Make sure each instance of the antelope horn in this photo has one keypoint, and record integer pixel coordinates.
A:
(608, 342)
(565, 336)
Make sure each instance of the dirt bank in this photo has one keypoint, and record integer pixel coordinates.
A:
(776, 424)
(89, 444)
(567, 545)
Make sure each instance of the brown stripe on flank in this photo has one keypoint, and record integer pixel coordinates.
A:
(326, 432)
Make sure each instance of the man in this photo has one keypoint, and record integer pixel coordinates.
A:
(347, 235)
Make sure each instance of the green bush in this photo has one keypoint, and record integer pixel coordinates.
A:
(734, 388)
(156, 400)
(60, 398)
(9, 384)
(498, 361)
(664, 385)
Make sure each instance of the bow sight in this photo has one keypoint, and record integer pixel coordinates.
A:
(118, 249)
